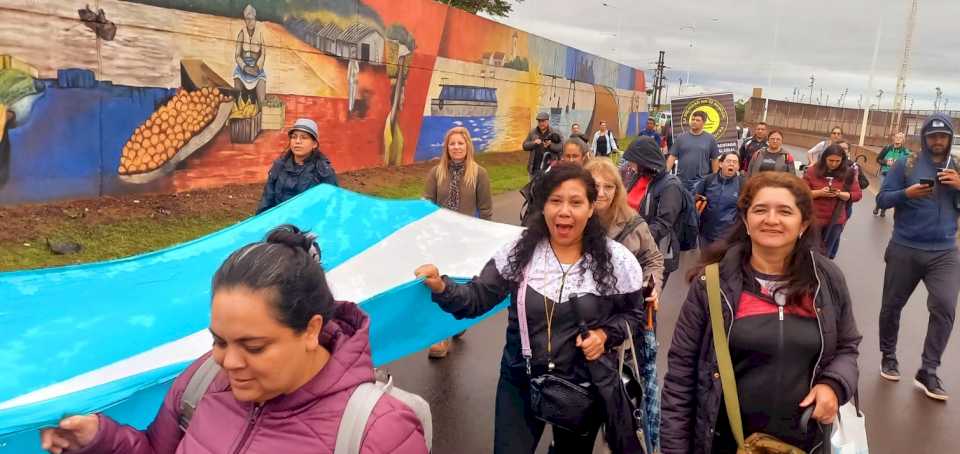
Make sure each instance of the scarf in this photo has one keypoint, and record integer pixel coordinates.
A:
(457, 170)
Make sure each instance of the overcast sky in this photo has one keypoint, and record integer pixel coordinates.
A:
(734, 46)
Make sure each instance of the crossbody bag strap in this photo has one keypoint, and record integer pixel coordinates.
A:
(525, 349)
(724, 363)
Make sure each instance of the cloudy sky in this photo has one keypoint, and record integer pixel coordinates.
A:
(735, 44)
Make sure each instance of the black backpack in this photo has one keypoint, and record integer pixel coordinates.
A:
(687, 227)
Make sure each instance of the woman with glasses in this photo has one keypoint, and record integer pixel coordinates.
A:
(836, 136)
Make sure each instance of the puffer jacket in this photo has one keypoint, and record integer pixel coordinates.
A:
(287, 180)
(692, 394)
(721, 212)
(305, 421)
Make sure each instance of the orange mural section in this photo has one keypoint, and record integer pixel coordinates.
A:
(471, 38)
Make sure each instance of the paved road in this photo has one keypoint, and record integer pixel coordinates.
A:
(461, 387)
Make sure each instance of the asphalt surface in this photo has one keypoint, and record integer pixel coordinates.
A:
(900, 419)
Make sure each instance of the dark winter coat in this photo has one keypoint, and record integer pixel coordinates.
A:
(663, 203)
(287, 179)
(692, 395)
(535, 162)
(721, 212)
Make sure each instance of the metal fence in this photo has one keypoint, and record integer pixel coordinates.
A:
(881, 125)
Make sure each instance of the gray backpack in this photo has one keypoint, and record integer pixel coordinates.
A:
(355, 416)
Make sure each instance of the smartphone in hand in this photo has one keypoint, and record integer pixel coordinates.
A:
(927, 181)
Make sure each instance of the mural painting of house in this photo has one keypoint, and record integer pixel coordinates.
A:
(357, 42)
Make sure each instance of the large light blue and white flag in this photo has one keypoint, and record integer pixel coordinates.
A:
(111, 336)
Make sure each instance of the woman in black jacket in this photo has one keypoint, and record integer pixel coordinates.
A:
(301, 167)
(569, 272)
(792, 335)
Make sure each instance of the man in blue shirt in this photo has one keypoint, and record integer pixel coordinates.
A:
(651, 131)
(925, 191)
(695, 153)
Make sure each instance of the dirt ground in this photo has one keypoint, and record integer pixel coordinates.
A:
(236, 201)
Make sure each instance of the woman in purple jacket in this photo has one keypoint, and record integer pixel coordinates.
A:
(791, 332)
(291, 357)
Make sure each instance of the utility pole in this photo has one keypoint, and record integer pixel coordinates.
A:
(820, 96)
(658, 80)
(812, 80)
(879, 97)
(899, 98)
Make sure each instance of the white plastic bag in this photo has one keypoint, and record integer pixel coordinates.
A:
(850, 432)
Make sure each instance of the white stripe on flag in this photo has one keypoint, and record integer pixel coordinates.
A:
(459, 245)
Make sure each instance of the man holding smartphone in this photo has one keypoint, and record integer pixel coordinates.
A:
(925, 190)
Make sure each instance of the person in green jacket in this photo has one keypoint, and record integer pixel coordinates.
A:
(889, 155)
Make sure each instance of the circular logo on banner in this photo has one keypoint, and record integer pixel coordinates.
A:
(716, 123)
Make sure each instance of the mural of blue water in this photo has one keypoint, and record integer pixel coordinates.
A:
(53, 155)
(434, 129)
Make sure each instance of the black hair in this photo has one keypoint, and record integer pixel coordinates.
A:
(800, 280)
(723, 156)
(833, 150)
(597, 255)
(287, 263)
(700, 114)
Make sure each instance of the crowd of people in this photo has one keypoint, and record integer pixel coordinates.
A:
(766, 346)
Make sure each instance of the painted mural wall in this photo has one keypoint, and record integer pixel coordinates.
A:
(113, 97)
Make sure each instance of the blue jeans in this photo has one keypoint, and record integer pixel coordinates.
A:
(830, 236)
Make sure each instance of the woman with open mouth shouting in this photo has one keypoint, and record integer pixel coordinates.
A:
(575, 295)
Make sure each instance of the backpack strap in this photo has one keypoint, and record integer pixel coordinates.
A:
(355, 416)
(196, 388)
(628, 228)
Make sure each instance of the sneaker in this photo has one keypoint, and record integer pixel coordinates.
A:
(931, 385)
(889, 369)
(876, 211)
(883, 213)
(440, 349)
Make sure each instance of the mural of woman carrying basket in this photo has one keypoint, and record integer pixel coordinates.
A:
(249, 77)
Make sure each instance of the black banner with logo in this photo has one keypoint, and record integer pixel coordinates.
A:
(721, 117)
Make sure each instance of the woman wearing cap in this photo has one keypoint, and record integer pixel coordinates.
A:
(458, 183)
(301, 167)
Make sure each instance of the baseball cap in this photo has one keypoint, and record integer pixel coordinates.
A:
(306, 125)
(938, 127)
(543, 116)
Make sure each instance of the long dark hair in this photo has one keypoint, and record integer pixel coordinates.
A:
(597, 256)
(799, 273)
(288, 263)
(840, 172)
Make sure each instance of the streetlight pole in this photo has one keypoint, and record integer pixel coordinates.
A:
(693, 29)
(873, 69)
(773, 55)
